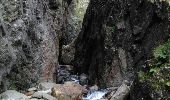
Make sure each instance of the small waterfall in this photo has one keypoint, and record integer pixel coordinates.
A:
(95, 95)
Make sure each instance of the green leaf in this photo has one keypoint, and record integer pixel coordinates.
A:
(153, 70)
(168, 83)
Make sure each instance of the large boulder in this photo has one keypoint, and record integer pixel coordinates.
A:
(68, 91)
(44, 86)
(121, 93)
(13, 95)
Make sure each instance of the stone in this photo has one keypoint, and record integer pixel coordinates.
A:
(121, 93)
(46, 86)
(64, 73)
(42, 95)
(68, 51)
(83, 79)
(38, 95)
(67, 91)
(48, 97)
(94, 88)
(32, 89)
(29, 93)
(12, 95)
(66, 67)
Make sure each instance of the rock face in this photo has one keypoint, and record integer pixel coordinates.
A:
(118, 37)
(30, 33)
(29, 43)
(74, 14)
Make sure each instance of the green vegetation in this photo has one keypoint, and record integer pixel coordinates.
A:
(158, 74)
(113, 28)
(163, 51)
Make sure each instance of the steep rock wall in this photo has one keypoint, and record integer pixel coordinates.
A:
(29, 43)
(118, 37)
(32, 33)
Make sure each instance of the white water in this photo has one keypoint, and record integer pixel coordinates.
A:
(95, 95)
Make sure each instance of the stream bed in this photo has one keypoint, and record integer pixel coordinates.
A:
(65, 74)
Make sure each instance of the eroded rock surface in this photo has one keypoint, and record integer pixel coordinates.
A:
(30, 33)
(117, 38)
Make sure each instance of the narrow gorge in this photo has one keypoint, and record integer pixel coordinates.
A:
(84, 50)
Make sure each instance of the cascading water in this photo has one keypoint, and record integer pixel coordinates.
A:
(64, 74)
(95, 95)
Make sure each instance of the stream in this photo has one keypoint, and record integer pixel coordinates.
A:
(65, 74)
(95, 95)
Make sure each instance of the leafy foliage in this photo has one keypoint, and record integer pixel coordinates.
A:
(168, 83)
(158, 74)
(162, 51)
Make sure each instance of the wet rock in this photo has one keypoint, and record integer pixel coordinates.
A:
(83, 79)
(64, 74)
(46, 86)
(94, 88)
(12, 95)
(121, 93)
(67, 91)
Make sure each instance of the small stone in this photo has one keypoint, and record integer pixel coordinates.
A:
(38, 95)
(46, 86)
(32, 89)
(41, 95)
(29, 93)
(94, 88)
(67, 67)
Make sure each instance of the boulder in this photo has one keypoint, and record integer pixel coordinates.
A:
(121, 93)
(42, 95)
(68, 91)
(83, 79)
(12, 95)
(46, 86)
